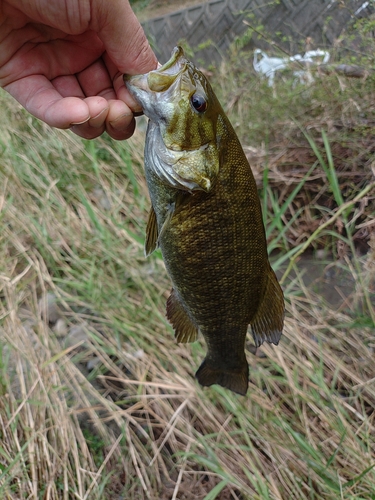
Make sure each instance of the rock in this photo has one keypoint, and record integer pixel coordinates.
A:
(101, 198)
(93, 363)
(49, 309)
(60, 328)
(132, 353)
(77, 335)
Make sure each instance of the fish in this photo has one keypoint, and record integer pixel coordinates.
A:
(206, 219)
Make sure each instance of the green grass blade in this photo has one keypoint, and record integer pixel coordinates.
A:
(321, 228)
(276, 219)
(265, 195)
(356, 479)
(331, 171)
(216, 490)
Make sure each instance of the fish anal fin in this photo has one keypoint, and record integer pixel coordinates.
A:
(185, 330)
(151, 242)
(234, 380)
(267, 324)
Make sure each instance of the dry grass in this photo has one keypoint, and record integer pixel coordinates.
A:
(276, 126)
(114, 411)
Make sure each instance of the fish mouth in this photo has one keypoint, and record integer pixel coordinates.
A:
(177, 54)
(162, 78)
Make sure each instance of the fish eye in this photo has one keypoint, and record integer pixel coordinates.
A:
(198, 102)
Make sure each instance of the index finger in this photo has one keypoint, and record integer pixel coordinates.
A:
(123, 37)
(38, 96)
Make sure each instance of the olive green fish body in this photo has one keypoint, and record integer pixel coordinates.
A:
(206, 218)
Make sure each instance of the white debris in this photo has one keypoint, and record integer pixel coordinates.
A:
(362, 7)
(269, 65)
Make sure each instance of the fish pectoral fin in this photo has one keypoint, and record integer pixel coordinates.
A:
(234, 380)
(167, 220)
(152, 232)
(185, 330)
(267, 325)
(151, 242)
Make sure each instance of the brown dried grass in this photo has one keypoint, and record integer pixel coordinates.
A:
(137, 425)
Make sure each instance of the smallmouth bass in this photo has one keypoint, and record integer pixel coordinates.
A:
(206, 217)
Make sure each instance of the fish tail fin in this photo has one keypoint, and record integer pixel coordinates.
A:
(234, 380)
(267, 325)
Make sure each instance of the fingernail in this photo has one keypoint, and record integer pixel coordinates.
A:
(121, 121)
(133, 104)
(80, 123)
(96, 121)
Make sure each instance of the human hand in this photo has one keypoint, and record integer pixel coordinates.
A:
(63, 61)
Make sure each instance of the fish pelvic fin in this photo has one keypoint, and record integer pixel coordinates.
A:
(151, 242)
(267, 325)
(185, 330)
(234, 380)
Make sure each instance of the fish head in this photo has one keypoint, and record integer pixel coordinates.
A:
(179, 101)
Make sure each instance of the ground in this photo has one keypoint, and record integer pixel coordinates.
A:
(156, 8)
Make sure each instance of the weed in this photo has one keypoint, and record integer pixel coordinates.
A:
(117, 412)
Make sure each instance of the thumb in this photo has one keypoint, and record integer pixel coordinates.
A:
(123, 37)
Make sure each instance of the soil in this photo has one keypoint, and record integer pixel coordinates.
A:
(157, 8)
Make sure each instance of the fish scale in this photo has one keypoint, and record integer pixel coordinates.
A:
(206, 217)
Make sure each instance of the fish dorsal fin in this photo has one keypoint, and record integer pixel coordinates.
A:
(185, 330)
(267, 325)
(151, 243)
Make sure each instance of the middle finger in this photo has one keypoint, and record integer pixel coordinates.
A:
(95, 80)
